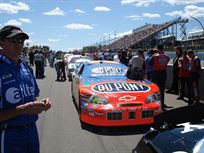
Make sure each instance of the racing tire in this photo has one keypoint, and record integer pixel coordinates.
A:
(83, 125)
(72, 93)
(79, 106)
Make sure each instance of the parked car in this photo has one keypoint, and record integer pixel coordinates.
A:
(176, 131)
(104, 96)
(74, 63)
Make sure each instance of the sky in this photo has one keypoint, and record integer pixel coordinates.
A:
(72, 24)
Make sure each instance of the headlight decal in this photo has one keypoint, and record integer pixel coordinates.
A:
(153, 97)
(98, 100)
(93, 99)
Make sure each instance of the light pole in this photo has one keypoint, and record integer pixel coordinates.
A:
(201, 26)
(199, 23)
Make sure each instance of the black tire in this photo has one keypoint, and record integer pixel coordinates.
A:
(72, 93)
(83, 125)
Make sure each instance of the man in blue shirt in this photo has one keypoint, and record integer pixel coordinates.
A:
(19, 107)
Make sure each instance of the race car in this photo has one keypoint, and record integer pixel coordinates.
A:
(74, 63)
(179, 130)
(104, 95)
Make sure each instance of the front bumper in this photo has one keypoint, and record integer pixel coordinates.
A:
(120, 117)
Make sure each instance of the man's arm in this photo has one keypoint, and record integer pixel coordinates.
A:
(29, 108)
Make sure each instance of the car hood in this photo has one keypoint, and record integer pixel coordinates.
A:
(185, 137)
(118, 89)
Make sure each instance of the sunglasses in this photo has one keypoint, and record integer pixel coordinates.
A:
(16, 40)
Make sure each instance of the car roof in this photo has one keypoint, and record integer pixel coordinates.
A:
(104, 68)
(102, 62)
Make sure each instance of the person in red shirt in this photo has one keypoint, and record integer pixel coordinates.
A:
(183, 64)
(194, 69)
(159, 62)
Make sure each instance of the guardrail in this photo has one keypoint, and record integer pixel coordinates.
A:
(201, 81)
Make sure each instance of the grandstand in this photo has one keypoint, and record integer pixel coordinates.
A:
(199, 34)
(149, 35)
(195, 40)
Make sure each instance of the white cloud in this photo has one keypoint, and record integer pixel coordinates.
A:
(189, 10)
(13, 8)
(77, 26)
(72, 49)
(13, 22)
(138, 2)
(79, 11)
(54, 40)
(151, 15)
(18, 22)
(175, 13)
(56, 11)
(25, 20)
(29, 41)
(195, 11)
(183, 2)
(134, 17)
(102, 8)
(128, 1)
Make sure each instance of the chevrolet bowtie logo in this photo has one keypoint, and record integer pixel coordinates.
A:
(127, 98)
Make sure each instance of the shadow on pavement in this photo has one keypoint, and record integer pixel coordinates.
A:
(116, 131)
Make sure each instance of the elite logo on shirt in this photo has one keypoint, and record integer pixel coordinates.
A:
(14, 95)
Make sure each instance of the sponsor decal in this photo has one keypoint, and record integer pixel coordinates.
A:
(7, 76)
(91, 113)
(86, 83)
(109, 70)
(120, 87)
(14, 95)
(127, 98)
(190, 127)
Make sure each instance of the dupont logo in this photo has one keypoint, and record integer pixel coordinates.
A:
(120, 87)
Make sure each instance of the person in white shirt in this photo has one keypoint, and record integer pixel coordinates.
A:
(137, 60)
(136, 66)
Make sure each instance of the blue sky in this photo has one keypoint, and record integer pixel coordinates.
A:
(71, 24)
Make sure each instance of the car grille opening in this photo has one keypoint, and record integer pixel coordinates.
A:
(131, 115)
(130, 104)
(147, 113)
(114, 115)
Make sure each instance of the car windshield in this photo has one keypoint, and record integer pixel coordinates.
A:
(79, 59)
(104, 70)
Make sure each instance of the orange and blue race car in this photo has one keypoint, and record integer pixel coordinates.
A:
(106, 97)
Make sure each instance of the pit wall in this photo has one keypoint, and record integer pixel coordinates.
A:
(170, 79)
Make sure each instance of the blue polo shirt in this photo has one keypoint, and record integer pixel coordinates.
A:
(17, 86)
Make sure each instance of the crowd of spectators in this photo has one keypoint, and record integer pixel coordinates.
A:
(142, 65)
(142, 33)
